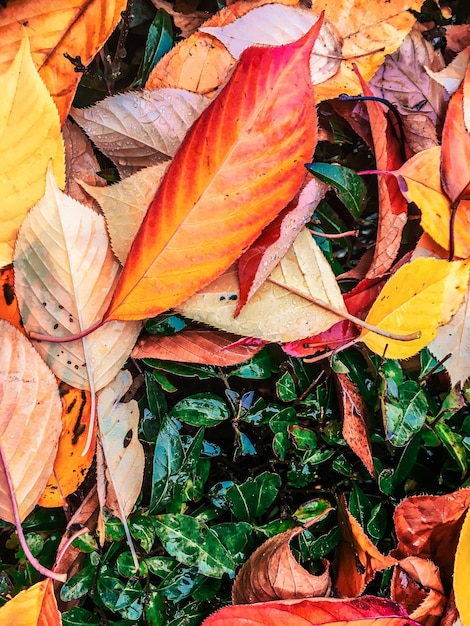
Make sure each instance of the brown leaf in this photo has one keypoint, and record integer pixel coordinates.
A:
(417, 586)
(357, 559)
(188, 23)
(195, 346)
(30, 422)
(355, 418)
(458, 37)
(272, 573)
(429, 527)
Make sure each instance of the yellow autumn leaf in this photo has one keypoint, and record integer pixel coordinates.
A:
(35, 606)
(420, 296)
(462, 572)
(275, 312)
(29, 138)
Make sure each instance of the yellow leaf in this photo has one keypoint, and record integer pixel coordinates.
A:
(30, 421)
(35, 606)
(420, 296)
(462, 572)
(75, 27)
(274, 312)
(65, 273)
(29, 138)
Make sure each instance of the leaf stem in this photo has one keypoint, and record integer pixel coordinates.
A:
(346, 315)
(19, 529)
(80, 335)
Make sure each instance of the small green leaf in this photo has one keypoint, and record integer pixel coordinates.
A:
(79, 617)
(165, 325)
(349, 185)
(453, 443)
(303, 438)
(79, 585)
(142, 529)
(285, 388)
(253, 497)
(377, 524)
(259, 367)
(202, 409)
(311, 509)
(324, 544)
(193, 543)
(405, 417)
(234, 537)
(167, 460)
(159, 42)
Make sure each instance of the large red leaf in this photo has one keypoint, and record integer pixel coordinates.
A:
(240, 163)
(365, 611)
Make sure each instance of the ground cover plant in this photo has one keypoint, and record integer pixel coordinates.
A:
(234, 330)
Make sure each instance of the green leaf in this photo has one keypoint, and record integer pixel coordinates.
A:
(202, 409)
(159, 42)
(311, 509)
(142, 529)
(285, 388)
(165, 325)
(154, 608)
(79, 585)
(253, 497)
(303, 438)
(203, 372)
(79, 617)
(405, 417)
(453, 443)
(167, 460)
(359, 505)
(193, 543)
(235, 538)
(259, 367)
(389, 480)
(349, 185)
(324, 544)
(377, 524)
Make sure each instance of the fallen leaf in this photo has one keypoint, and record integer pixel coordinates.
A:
(420, 182)
(255, 265)
(454, 339)
(30, 422)
(9, 309)
(141, 128)
(429, 527)
(461, 572)
(277, 24)
(274, 313)
(30, 138)
(339, 334)
(457, 36)
(70, 465)
(75, 27)
(187, 23)
(416, 585)
(365, 611)
(202, 196)
(418, 298)
(65, 273)
(124, 205)
(451, 76)
(357, 559)
(272, 573)
(355, 416)
(195, 346)
(123, 452)
(34, 606)
(80, 165)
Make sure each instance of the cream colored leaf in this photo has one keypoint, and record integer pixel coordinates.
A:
(123, 452)
(274, 313)
(124, 205)
(452, 75)
(141, 128)
(277, 24)
(454, 338)
(30, 421)
(65, 273)
(29, 138)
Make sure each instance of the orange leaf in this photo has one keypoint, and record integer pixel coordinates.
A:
(357, 559)
(429, 527)
(365, 611)
(355, 414)
(208, 347)
(456, 147)
(9, 309)
(70, 467)
(35, 606)
(75, 27)
(238, 166)
(272, 573)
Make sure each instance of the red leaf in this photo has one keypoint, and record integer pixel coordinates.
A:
(208, 347)
(365, 611)
(240, 163)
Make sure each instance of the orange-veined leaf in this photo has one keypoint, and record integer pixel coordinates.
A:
(238, 166)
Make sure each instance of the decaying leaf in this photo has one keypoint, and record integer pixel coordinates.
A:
(419, 297)
(75, 27)
(70, 465)
(272, 573)
(123, 453)
(30, 422)
(65, 272)
(355, 414)
(229, 171)
(277, 24)
(29, 139)
(124, 205)
(274, 313)
(141, 128)
(196, 346)
(357, 559)
(33, 606)
(365, 611)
